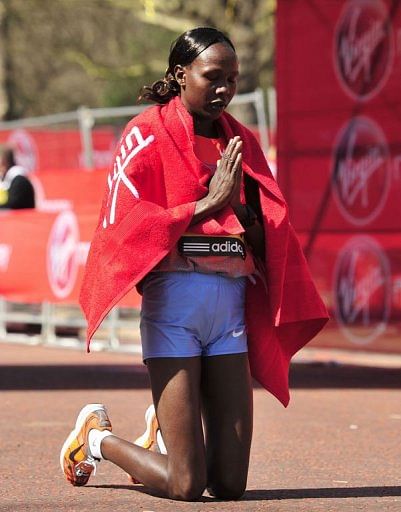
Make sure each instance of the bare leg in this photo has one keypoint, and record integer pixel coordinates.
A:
(176, 394)
(228, 411)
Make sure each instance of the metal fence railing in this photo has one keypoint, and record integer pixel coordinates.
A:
(63, 325)
(86, 118)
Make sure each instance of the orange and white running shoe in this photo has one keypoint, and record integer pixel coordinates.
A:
(151, 439)
(76, 460)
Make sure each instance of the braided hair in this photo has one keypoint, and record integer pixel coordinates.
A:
(183, 51)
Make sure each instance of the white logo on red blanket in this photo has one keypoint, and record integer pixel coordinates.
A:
(361, 170)
(363, 47)
(131, 145)
(62, 254)
(362, 290)
(25, 149)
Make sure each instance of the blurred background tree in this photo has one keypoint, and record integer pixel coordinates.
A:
(58, 54)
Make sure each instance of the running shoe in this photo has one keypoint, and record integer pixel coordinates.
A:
(76, 460)
(151, 439)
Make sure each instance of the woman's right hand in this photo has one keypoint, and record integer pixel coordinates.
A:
(227, 175)
(224, 182)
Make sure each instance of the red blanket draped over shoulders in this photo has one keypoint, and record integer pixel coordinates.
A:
(150, 199)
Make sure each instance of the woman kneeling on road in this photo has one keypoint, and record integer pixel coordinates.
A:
(194, 219)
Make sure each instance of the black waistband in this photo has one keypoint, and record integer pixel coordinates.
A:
(190, 245)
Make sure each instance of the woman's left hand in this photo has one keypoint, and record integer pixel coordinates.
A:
(235, 200)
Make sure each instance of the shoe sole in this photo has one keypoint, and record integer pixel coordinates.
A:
(85, 411)
(146, 440)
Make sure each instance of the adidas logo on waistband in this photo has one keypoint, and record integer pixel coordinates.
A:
(211, 246)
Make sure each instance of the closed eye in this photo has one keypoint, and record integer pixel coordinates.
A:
(212, 78)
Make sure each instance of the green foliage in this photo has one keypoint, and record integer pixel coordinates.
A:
(58, 54)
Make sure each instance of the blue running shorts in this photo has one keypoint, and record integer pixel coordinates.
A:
(186, 314)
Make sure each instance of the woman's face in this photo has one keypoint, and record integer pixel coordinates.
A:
(209, 83)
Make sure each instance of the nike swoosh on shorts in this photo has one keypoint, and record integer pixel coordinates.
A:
(238, 333)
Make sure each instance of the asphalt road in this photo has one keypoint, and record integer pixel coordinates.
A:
(337, 447)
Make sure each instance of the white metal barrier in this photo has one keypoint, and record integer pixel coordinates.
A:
(87, 117)
(64, 326)
(120, 330)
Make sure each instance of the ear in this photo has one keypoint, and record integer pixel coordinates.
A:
(180, 75)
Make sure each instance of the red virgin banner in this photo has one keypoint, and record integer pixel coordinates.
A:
(42, 255)
(46, 149)
(69, 189)
(339, 155)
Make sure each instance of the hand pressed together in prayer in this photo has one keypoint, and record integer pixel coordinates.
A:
(227, 179)
(225, 185)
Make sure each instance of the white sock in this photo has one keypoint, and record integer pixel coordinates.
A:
(95, 438)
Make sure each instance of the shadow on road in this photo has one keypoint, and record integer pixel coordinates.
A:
(42, 377)
(131, 376)
(324, 492)
(339, 376)
(286, 494)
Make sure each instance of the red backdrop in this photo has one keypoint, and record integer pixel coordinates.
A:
(339, 154)
(47, 149)
(43, 251)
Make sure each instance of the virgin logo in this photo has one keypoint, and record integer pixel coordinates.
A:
(363, 48)
(62, 254)
(361, 170)
(362, 290)
(26, 153)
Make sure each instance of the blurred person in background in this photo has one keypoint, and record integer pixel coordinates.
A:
(16, 191)
(193, 217)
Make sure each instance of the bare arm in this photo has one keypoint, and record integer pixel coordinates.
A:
(255, 237)
(250, 214)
